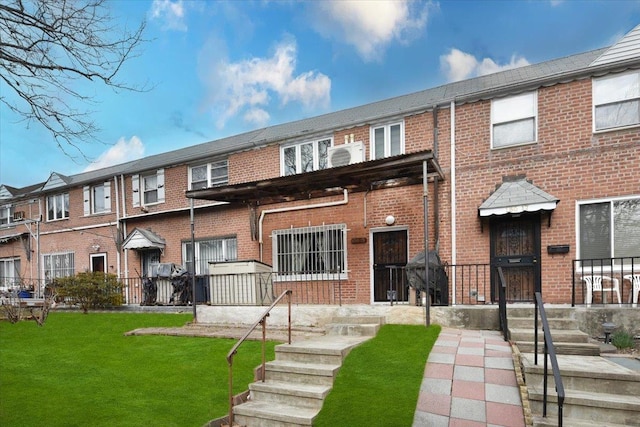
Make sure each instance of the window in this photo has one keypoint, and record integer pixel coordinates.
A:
(310, 251)
(211, 250)
(387, 140)
(58, 207)
(610, 229)
(6, 215)
(514, 120)
(151, 186)
(97, 199)
(304, 157)
(616, 101)
(209, 175)
(58, 265)
(9, 273)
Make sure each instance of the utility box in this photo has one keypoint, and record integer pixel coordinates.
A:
(241, 283)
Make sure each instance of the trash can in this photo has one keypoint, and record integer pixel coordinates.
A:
(25, 294)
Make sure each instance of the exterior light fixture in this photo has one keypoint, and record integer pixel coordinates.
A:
(390, 220)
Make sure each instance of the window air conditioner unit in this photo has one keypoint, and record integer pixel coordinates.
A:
(18, 216)
(346, 154)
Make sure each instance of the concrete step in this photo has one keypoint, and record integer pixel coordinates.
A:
(270, 414)
(301, 372)
(580, 349)
(527, 310)
(295, 394)
(580, 405)
(552, 421)
(369, 330)
(584, 373)
(325, 350)
(359, 320)
(554, 323)
(558, 335)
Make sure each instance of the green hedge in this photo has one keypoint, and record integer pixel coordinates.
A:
(89, 290)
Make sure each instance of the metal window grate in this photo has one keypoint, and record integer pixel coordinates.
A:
(316, 250)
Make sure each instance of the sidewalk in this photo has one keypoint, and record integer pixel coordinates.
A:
(469, 381)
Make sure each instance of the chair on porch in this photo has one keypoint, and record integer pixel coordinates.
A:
(635, 283)
(594, 284)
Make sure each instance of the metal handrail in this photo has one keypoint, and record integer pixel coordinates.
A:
(261, 321)
(551, 352)
(502, 304)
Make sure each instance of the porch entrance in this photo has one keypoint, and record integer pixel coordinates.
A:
(390, 255)
(515, 246)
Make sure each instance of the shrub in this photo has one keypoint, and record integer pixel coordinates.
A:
(622, 339)
(90, 290)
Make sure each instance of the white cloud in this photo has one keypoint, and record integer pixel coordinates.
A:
(458, 65)
(370, 25)
(123, 151)
(171, 13)
(247, 87)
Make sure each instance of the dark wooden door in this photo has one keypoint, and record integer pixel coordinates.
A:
(389, 259)
(515, 246)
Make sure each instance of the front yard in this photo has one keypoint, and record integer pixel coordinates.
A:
(80, 370)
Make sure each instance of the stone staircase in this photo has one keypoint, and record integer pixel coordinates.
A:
(567, 338)
(598, 391)
(302, 374)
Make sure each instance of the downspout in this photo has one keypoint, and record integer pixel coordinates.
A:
(115, 181)
(265, 212)
(436, 210)
(124, 226)
(453, 198)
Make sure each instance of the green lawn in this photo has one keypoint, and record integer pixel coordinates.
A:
(379, 382)
(80, 370)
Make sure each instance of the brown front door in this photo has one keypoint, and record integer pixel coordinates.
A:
(515, 246)
(389, 259)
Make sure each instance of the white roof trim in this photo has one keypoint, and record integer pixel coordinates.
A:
(547, 206)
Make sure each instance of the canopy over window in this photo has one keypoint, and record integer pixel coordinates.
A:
(517, 195)
(141, 239)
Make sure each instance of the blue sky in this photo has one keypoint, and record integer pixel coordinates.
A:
(219, 68)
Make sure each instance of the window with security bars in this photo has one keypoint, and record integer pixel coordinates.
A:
(310, 252)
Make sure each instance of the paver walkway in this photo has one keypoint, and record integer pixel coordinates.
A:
(469, 381)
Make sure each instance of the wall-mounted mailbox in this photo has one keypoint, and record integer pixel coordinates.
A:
(558, 249)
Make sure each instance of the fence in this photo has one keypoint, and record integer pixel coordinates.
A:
(604, 280)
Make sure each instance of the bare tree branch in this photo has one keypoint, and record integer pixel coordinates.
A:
(47, 48)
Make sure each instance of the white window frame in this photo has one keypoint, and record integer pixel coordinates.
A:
(6, 215)
(386, 132)
(229, 252)
(511, 110)
(611, 201)
(317, 163)
(53, 272)
(307, 235)
(138, 190)
(90, 207)
(211, 180)
(56, 199)
(615, 91)
(9, 274)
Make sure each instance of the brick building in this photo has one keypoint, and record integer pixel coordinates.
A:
(529, 169)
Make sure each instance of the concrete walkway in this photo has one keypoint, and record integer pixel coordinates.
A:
(469, 381)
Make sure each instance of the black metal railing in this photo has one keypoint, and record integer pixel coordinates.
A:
(502, 304)
(549, 354)
(473, 282)
(604, 280)
(261, 321)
